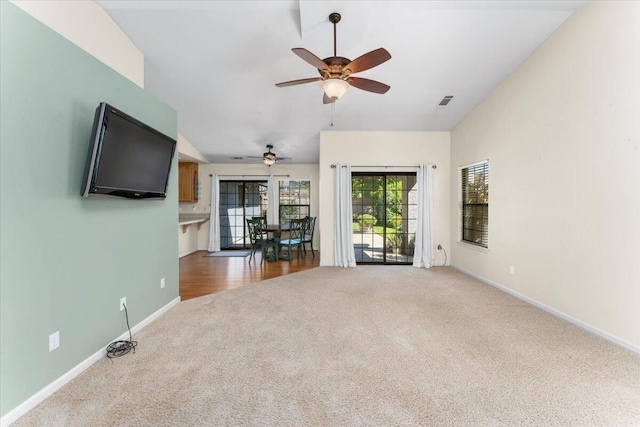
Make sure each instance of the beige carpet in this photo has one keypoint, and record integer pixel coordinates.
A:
(367, 346)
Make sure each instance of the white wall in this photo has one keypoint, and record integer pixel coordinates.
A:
(87, 25)
(296, 172)
(188, 241)
(377, 149)
(187, 152)
(562, 135)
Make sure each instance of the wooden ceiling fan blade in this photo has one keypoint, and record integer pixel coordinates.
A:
(299, 82)
(326, 99)
(310, 58)
(368, 85)
(368, 60)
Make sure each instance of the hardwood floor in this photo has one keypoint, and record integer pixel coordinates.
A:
(200, 275)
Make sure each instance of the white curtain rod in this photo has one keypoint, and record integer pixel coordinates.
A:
(369, 166)
(242, 176)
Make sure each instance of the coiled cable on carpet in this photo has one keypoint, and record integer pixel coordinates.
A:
(120, 348)
(440, 247)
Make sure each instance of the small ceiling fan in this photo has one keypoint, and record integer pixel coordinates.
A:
(336, 71)
(269, 158)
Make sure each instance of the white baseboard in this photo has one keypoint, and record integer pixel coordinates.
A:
(183, 254)
(327, 264)
(607, 336)
(47, 391)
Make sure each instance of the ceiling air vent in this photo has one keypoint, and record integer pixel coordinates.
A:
(236, 158)
(445, 100)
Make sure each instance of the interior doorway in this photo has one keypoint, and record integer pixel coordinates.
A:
(239, 201)
(385, 209)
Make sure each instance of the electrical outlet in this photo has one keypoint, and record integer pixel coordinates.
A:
(54, 340)
(194, 208)
(162, 283)
(123, 302)
(512, 269)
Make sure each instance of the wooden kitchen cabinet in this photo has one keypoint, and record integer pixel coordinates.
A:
(188, 187)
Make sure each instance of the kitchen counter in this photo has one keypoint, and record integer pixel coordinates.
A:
(187, 219)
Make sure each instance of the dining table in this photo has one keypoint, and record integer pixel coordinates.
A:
(277, 230)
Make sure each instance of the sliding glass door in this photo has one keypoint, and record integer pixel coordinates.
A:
(384, 217)
(239, 201)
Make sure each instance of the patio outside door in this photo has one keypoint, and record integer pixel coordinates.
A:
(239, 201)
(384, 217)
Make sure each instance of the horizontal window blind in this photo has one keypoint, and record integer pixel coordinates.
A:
(475, 204)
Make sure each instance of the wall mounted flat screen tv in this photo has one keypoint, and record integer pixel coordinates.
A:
(127, 158)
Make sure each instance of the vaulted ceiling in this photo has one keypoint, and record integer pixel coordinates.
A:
(217, 62)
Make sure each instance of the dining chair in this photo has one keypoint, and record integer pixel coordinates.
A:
(258, 239)
(307, 236)
(263, 224)
(295, 238)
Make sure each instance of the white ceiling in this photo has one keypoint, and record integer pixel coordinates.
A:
(217, 62)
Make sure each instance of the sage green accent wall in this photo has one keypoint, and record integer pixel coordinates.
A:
(65, 260)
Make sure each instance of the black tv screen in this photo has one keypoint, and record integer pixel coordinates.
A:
(127, 158)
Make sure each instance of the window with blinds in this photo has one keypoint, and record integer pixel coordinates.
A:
(294, 200)
(474, 220)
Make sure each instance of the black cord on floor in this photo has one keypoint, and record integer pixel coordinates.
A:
(120, 348)
(445, 257)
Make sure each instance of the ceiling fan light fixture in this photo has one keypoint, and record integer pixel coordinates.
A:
(269, 161)
(334, 88)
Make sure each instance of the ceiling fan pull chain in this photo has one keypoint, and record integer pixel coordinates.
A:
(333, 106)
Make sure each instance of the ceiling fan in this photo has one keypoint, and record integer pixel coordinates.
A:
(336, 71)
(269, 158)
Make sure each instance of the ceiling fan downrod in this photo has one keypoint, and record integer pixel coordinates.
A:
(334, 18)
